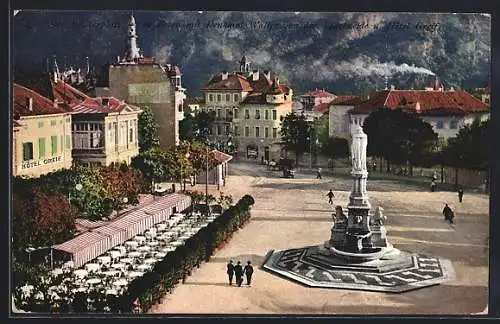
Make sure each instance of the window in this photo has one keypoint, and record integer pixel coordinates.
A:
(53, 122)
(219, 113)
(41, 147)
(257, 114)
(266, 114)
(257, 131)
(274, 114)
(179, 108)
(236, 113)
(219, 130)
(219, 97)
(109, 126)
(62, 144)
(68, 141)
(131, 135)
(247, 131)
(40, 124)
(228, 130)
(228, 113)
(210, 97)
(236, 131)
(228, 97)
(247, 114)
(453, 124)
(27, 151)
(68, 120)
(266, 132)
(53, 143)
(275, 132)
(60, 122)
(236, 97)
(440, 124)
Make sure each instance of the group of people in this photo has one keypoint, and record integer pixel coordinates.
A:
(238, 271)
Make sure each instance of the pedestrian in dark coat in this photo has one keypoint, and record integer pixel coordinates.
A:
(318, 173)
(460, 194)
(238, 271)
(448, 214)
(248, 272)
(433, 186)
(330, 196)
(230, 271)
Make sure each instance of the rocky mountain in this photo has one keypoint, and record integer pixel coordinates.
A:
(341, 52)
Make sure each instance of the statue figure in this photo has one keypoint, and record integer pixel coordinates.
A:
(339, 216)
(379, 218)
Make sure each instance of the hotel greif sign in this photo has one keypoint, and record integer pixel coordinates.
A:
(33, 164)
(157, 92)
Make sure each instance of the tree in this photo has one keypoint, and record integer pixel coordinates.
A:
(295, 134)
(203, 125)
(91, 201)
(469, 148)
(120, 181)
(151, 163)
(148, 130)
(399, 137)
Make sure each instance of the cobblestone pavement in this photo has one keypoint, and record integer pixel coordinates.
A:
(294, 213)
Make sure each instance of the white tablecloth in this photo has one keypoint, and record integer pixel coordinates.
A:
(104, 259)
(92, 267)
(118, 265)
(126, 260)
(134, 254)
(80, 273)
(150, 261)
(93, 281)
(140, 238)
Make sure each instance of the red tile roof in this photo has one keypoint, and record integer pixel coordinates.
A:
(232, 82)
(431, 102)
(221, 157)
(319, 93)
(322, 108)
(66, 94)
(40, 105)
(96, 106)
(345, 100)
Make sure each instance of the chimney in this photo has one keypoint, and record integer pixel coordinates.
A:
(224, 75)
(255, 75)
(267, 74)
(105, 101)
(29, 103)
(393, 87)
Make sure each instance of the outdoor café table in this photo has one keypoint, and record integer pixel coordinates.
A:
(143, 248)
(160, 255)
(177, 243)
(57, 271)
(140, 238)
(161, 226)
(93, 281)
(150, 261)
(135, 274)
(168, 249)
(111, 292)
(110, 273)
(81, 289)
(153, 243)
(120, 283)
(184, 237)
(115, 254)
(126, 260)
(144, 267)
(132, 244)
(134, 254)
(120, 248)
(118, 265)
(104, 259)
(92, 267)
(80, 273)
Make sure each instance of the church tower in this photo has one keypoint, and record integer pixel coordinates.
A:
(132, 52)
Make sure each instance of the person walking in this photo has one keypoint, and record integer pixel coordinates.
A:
(230, 271)
(460, 194)
(238, 271)
(248, 272)
(318, 173)
(448, 214)
(330, 196)
(433, 186)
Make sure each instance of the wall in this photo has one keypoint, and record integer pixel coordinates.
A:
(148, 85)
(31, 132)
(338, 121)
(467, 178)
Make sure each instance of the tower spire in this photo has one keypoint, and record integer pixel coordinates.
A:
(132, 52)
(55, 70)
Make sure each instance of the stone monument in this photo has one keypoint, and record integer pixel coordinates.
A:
(358, 254)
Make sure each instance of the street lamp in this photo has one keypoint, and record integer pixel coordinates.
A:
(78, 187)
(182, 173)
(125, 201)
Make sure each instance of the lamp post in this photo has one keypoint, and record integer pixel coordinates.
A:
(206, 179)
(124, 200)
(78, 187)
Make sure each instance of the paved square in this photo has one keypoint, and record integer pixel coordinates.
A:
(294, 213)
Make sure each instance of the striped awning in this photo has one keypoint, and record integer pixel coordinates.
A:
(89, 224)
(85, 247)
(98, 240)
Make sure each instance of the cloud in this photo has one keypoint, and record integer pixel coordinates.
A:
(162, 54)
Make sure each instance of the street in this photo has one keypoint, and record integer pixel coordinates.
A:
(292, 213)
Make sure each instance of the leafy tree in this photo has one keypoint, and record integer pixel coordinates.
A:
(91, 200)
(148, 129)
(295, 134)
(336, 148)
(151, 163)
(203, 125)
(469, 148)
(399, 137)
(188, 126)
(120, 181)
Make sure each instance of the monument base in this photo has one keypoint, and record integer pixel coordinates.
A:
(395, 271)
